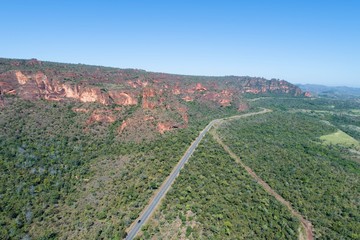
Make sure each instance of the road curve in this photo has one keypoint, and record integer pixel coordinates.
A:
(155, 201)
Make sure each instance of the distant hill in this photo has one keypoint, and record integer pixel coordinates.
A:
(163, 100)
(327, 91)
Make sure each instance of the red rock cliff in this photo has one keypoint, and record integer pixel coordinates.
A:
(154, 93)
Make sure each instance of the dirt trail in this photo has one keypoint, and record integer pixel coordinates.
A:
(305, 223)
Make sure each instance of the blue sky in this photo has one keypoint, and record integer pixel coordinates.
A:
(299, 41)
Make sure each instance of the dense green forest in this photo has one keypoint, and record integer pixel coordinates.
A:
(214, 198)
(320, 181)
(287, 103)
(61, 177)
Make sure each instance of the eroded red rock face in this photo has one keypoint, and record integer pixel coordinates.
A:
(148, 101)
(7, 88)
(106, 116)
(92, 94)
(149, 92)
(122, 98)
(158, 96)
(21, 78)
(122, 127)
(36, 86)
(188, 99)
(257, 86)
(223, 98)
(165, 126)
(308, 94)
(176, 90)
(199, 87)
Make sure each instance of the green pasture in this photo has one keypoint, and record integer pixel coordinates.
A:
(340, 138)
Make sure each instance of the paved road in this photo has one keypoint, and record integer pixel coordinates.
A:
(145, 215)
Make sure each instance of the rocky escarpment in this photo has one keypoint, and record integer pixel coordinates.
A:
(153, 94)
(37, 85)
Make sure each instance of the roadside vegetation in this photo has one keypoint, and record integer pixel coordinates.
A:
(63, 178)
(214, 198)
(320, 181)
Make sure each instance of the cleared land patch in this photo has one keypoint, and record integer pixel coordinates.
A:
(355, 111)
(340, 138)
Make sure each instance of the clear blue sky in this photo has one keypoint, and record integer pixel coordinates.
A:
(299, 41)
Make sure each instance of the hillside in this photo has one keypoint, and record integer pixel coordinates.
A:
(158, 100)
(84, 148)
(326, 91)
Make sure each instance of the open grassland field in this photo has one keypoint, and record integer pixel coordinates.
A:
(340, 138)
(355, 111)
(214, 198)
(320, 181)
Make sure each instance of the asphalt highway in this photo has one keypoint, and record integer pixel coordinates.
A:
(139, 222)
(145, 215)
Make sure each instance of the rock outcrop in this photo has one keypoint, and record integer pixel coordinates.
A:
(21, 78)
(38, 86)
(122, 98)
(151, 93)
(162, 127)
(199, 87)
(257, 86)
(307, 94)
(102, 116)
